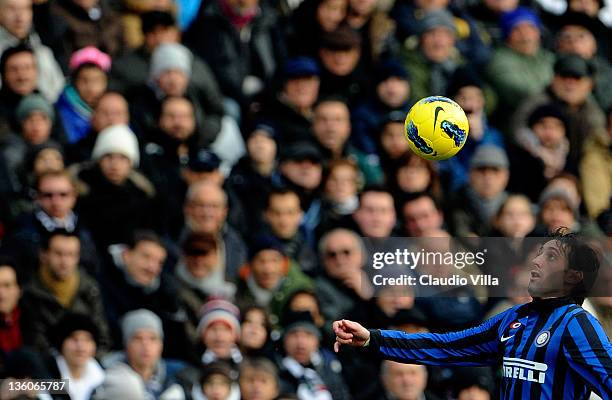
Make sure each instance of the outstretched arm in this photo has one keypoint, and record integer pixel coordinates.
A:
(589, 352)
(474, 346)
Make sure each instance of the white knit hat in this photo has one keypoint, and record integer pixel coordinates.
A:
(117, 139)
(169, 56)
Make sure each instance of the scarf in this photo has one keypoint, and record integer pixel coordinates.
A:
(238, 19)
(310, 383)
(50, 224)
(81, 389)
(553, 158)
(63, 291)
(235, 356)
(262, 296)
(213, 284)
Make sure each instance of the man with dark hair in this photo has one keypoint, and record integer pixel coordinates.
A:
(11, 320)
(550, 348)
(134, 279)
(60, 287)
(19, 72)
(375, 217)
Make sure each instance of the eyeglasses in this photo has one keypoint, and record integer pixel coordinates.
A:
(49, 195)
(336, 253)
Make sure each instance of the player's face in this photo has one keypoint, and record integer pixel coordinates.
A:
(548, 271)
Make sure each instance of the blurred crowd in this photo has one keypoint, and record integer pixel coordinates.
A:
(186, 186)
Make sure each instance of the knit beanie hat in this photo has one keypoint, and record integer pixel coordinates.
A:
(169, 56)
(219, 310)
(140, 319)
(511, 19)
(117, 139)
(31, 103)
(68, 324)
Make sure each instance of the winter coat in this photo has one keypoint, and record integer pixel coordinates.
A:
(45, 311)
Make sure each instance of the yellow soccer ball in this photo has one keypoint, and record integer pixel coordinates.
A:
(436, 128)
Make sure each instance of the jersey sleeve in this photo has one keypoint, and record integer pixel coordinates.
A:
(477, 346)
(589, 353)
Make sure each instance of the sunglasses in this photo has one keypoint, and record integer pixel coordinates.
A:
(49, 195)
(336, 253)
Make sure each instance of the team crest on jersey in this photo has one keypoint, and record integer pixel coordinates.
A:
(515, 325)
(542, 339)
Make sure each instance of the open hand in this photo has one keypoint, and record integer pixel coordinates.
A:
(350, 333)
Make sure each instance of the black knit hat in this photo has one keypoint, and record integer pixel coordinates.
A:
(152, 19)
(548, 110)
(68, 324)
(461, 78)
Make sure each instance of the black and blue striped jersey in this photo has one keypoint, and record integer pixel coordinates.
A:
(547, 349)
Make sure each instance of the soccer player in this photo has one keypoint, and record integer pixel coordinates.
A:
(550, 348)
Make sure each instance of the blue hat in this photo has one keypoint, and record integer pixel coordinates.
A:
(390, 67)
(521, 14)
(204, 161)
(267, 127)
(265, 242)
(300, 66)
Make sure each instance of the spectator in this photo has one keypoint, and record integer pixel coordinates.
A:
(488, 13)
(515, 217)
(392, 93)
(88, 82)
(252, 177)
(206, 210)
(413, 174)
(16, 27)
(110, 109)
(521, 67)
(342, 74)
(340, 187)
(269, 279)
(375, 217)
(216, 36)
(332, 129)
(307, 300)
(133, 279)
(35, 117)
(559, 210)
(392, 140)
(12, 322)
(143, 338)
(343, 287)
(310, 21)
(89, 23)
(540, 152)
(219, 332)
(291, 110)
(133, 10)
(376, 28)
(255, 328)
(283, 215)
(258, 380)
(432, 64)
(301, 170)
(404, 381)
(578, 35)
(421, 214)
(468, 90)
(75, 337)
(200, 277)
(115, 198)
(471, 210)
(53, 208)
(60, 287)
(471, 41)
(215, 383)
(306, 369)
(19, 73)
(571, 89)
(595, 172)
(171, 74)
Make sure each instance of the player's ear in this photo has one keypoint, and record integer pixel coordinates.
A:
(574, 277)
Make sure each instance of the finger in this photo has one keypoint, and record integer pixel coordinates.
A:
(336, 347)
(344, 335)
(337, 326)
(344, 341)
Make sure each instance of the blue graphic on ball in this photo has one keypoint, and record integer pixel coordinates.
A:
(453, 132)
(433, 99)
(419, 143)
